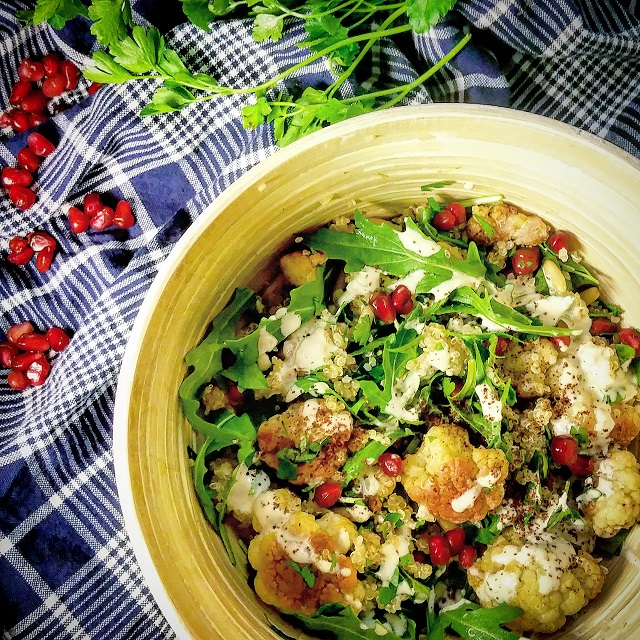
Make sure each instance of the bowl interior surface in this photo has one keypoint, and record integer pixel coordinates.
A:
(376, 163)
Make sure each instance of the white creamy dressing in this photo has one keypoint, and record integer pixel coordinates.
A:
(457, 280)
(411, 280)
(550, 309)
(367, 484)
(414, 241)
(269, 513)
(394, 548)
(595, 364)
(246, 489)
(501, 586)
(489, 402)
(467, 499)
(403, 392)
(361, 284)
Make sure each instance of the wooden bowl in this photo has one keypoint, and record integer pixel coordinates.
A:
(376, 163)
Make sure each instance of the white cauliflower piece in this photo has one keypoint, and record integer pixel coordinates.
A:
(440, 352)
(526, 365)
(618, 486)
(545, 577)
(510, 225)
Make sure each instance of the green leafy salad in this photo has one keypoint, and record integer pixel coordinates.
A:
(420, 428)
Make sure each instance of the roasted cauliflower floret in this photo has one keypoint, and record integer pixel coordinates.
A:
(526, 365)
(452, 479)
(617, 506)
(273, 507)
(510, 224)
(546, 578)
(302, 424)
(626, 418)
(300, 267)
(281, 557)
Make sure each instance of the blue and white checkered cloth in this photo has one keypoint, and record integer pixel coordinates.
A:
(67, 569)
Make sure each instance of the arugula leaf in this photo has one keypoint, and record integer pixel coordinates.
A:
(473, 622)
(372, 450)
(336, 622)
(436, 185)
(612, 546)
(206, 358)
(388, 592)
(387, 249)
(424, 14)
(485, 225)
(420, 590)
(502, 315)
(305, 301)
(306, 574)
(111, 20)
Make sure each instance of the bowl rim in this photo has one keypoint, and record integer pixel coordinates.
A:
(120, 436)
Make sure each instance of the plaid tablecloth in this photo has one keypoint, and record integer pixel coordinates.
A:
(67, 569)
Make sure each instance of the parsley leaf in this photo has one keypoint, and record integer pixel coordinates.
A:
(487, 532)
(307, 575)
(56, 12)
(111, 20)
(268, 27)
(198, 13)
(372, 450)
(426, 13)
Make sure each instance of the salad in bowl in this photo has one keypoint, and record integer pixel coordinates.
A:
(420, 426)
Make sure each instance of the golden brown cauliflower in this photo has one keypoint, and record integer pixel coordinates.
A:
(301, 543)
(618, 486)
(454, 480)
(301, 424)
(300, 267)
(526, 365)
(510, 224)
(627, 423)
(545, 577)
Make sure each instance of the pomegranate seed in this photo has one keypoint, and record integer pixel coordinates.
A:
(328, 494)
(383, 308)
(582, 467)
(7, 352)
(44, 259)
(93, 87)
(57, 338)
(54, 86)
(78, 220)
(456, 539)
(36, 119)
(123, 218)
(35, 102)
(11, 176)
(102, 219)
(391, 464)
(30, 70)
(235, 397)
(51, 63)
(502, 345)
(631, 338)
(20, 120)
(38, 240)
(38, 371)
(20, 91)
(33, 342)
(402, 300)
(20, 258)
(420, 557)
(17, 380)
(17, 330)
(444, 220)
(526, 260)
(92, 203)
(28, 160)
(22, 197)
(40, 145)
(439, 550)
(602, 325)
(71, 74)
(558, 241)
(5, 120)
(467, 556)
(561, 342)
(459, 212)
(23, 361)
(564, 450)
(17, 244)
